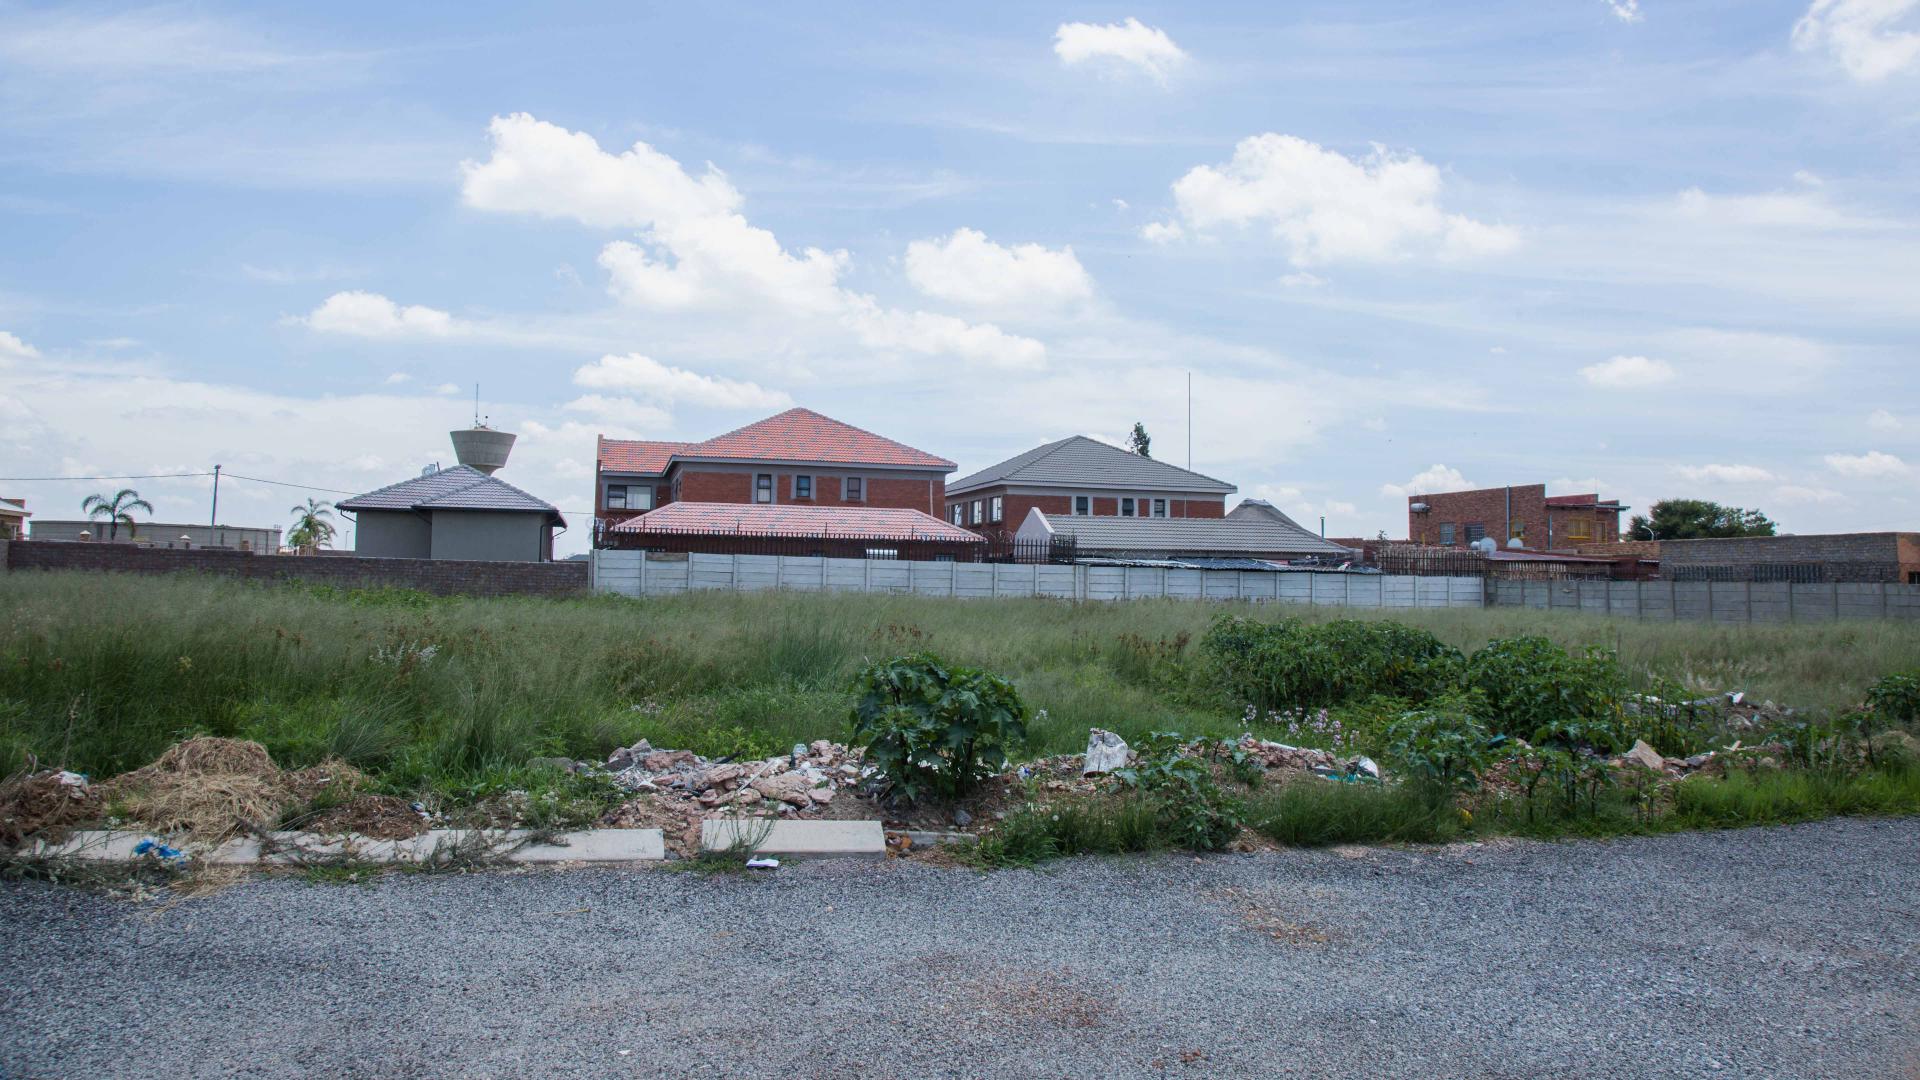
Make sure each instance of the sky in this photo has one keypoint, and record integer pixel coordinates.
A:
(1648, 249)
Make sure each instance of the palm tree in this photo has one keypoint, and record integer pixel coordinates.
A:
(116, 510)
(311, 529)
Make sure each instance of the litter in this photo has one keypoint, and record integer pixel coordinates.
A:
(1105, 753)
(158, 850)
(763, 863)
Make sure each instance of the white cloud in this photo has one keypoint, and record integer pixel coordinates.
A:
(12, 348)
(624, 409)
(1873, 464)
(1436, 478)
(1119, 45)
(1302, 280)
(1866, 36)
(397, 378)
(1780, 209)
(695, 251)
(1626, 10)
(968, 268)
(1795, 493)
(659, 382)
(1327, 207)
(1162, 232)
(1882, 420)
(1808, 177)
(447, 388)
(1724, 474)
(1628, 373)
(365, 314)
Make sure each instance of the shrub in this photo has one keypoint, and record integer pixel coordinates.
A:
(1535, 691)
(1192, 808)
(1290, 664)
(1445, 745)
(1097, 826)
(1896, 697)
(935, 731)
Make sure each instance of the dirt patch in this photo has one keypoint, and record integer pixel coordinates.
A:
(379, 817)
(46, 804)
(1262, 915)
(678, 820)
(1053, 997)
(212, 788)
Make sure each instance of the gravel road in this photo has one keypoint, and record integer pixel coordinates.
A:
(1791, 952)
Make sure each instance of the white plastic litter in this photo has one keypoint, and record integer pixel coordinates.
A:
(764, 863)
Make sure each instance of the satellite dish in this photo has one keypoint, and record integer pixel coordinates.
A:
(432, 467)
(1516, 543)
(1484, 545)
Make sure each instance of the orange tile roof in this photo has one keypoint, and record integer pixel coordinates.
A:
(636, 455)
(764, 519)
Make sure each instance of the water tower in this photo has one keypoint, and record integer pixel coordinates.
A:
(482, 447)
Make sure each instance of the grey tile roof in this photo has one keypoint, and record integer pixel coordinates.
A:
(462, 487)
(1191, 536)
(1081, 462)
(1261, 509)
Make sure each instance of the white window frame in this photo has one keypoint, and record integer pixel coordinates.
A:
(1446, 534)
(958, 513)
(996, 508)
(978, 512)
(769, 488)
(1083, 500)
(1127, 506)
(853, 489)
(640, 497)
(798, 477)
(1159, 508)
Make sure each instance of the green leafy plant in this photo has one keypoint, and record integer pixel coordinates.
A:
(935, 731)
(1896, 697)
(1444, 745)
(1197, 814)
(1292, 664)
(1534, 690)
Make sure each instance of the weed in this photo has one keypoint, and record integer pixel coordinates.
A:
(935, 731)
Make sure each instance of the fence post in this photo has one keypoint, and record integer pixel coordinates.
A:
(643, 573)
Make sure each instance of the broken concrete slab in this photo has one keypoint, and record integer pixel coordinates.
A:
(596, 845)
(295, 848)
(93, 844)
(856, 838)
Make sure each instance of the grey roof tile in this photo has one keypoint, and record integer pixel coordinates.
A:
(1078, 461)
(1191, 536)
(462, 487)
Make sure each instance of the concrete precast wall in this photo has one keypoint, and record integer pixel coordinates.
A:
(637, 573)
(1714, 601)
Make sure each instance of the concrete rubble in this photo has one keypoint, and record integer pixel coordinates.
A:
(800, 782)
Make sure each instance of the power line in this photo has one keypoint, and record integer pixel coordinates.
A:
(136, 476)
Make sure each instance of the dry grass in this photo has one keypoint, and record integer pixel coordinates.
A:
(212, 788)
(40, 804)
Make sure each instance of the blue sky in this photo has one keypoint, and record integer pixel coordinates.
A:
(1654, 249)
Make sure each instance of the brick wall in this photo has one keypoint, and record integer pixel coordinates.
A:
(889, 492)
(443, 576)
(1864, 556)
(1541, 526)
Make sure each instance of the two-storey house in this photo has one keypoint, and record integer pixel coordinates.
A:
(1081, 477)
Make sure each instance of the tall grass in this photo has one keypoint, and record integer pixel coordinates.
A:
(101, 672)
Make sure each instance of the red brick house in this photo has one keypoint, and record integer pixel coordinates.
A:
(795, 474)
(1081, 477)
(1524, 512)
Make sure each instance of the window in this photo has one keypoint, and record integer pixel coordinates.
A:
(1159, 508)
(1126, 507)
(803, 487)
(616, 496)
(883, 553)
(958, 513)
(763, 488)
(1913, 577)
(995, 508)
(855, 489)
(977, 511)
(1083, 506)
(639, 497)
(1446, 534)
(1476, 531)
(1579, 529)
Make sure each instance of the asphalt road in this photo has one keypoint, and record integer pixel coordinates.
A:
(1789, 952)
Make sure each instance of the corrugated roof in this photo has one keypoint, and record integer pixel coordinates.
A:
(1191, 536)
(764, 519)
(462, 487)
(1080, 462)
(643, 456)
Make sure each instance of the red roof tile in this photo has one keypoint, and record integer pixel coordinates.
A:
(762, 519)
(636, 455)
(805, 435)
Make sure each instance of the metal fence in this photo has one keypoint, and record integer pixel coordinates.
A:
(1001, 548)
(1811, 573)
(1414, 560)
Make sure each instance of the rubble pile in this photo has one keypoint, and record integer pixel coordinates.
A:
(800, 782)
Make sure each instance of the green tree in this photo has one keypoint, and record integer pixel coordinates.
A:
(1697, 519)
(116, 511)
(311, 529)
(1140, 441)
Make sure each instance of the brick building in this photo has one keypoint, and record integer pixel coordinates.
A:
(13, 519)
(826, 477)
(1081, 477)
(1838, 557)
(1523, 512)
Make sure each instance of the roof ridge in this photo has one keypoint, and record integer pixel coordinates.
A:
(410, 480)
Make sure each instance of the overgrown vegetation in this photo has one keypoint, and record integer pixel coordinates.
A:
(933, 730)
(450, 699)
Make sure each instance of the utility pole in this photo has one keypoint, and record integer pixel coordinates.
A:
(213, 520)
(1323, 526)
(1189, 421)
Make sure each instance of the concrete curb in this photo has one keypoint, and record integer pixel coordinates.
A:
(856, 838)
(292, 848)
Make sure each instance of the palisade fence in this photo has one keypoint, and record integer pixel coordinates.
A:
(655, 573)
